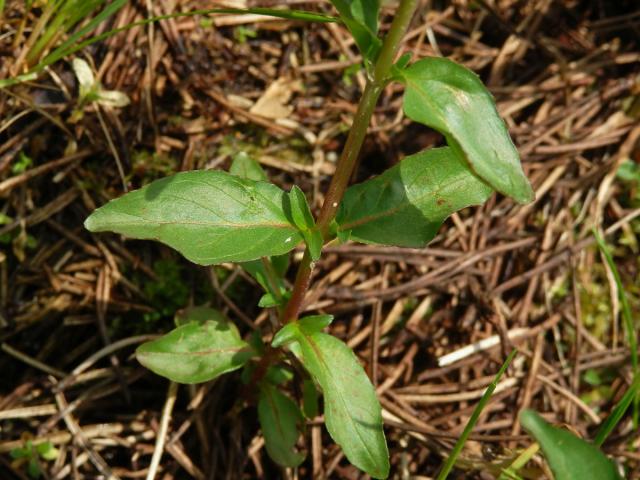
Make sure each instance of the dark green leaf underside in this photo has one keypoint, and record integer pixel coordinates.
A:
(280, 419)
(406, 205)
(208, 216)
(451, 99)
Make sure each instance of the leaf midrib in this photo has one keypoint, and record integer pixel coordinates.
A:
(200, 353)
(202, 224)
(403, 205)
(328, 376)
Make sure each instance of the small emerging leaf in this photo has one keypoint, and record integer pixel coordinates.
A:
(315, 323)
(403, 61)
(47, 451)
(569, 457)
(353, 415)
(285, 335)
(244, 166)
(84, 74)
(406, 205)
(33, 468)
(278, 375)
(314, 240)
(208, 216)
(112, 98)
(303, 219)
(451, 99)
(268, 301)
(90, 90)
(258, 271)
(280, 419)
(20, 453)
(308, 325)
(198, 351)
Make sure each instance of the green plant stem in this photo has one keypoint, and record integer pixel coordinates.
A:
(446, 469)
(349, 156)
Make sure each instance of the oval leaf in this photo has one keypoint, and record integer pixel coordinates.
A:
(198, 351)
(406, 204)
(352, 412)
(569, 457)
(451, 99)
(280, 419)
(208, 216)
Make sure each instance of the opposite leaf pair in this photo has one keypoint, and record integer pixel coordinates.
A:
(205, 345)
(213, 217)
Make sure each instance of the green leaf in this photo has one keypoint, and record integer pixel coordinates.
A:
(309, 399)
(285, 335)
(198, 351)
(406, 204)
(18, 452)
(278, 375)
(361, 18)
(451, 99)
(300, 210)
(314, 323)
(257, 270)
(33, 468)
(629, 171)
(352, 412)
(569, 457)
(47, 451)
(303, 219)
(402, 62)
(244, 166)
(268, 301)
(208, 216)
(314, 240)
(280, 419)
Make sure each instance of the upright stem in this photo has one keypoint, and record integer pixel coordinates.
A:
(349, 156)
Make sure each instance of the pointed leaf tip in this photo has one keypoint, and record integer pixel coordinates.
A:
(452, 99)
(569, 457)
